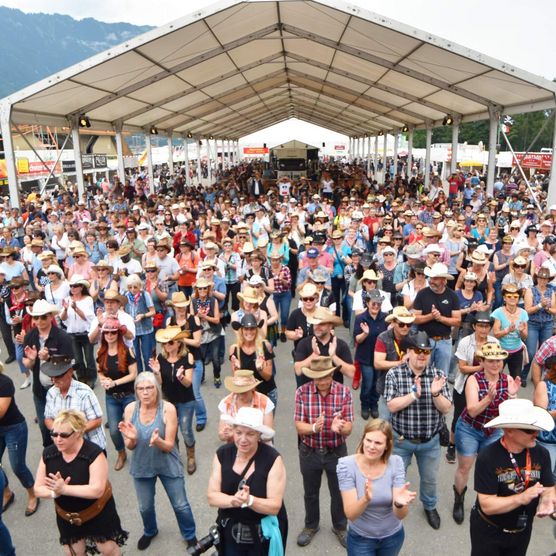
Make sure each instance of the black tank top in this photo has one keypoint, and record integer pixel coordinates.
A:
(248, 362)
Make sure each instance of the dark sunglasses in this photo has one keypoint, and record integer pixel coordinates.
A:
(55, 434)
(308, 299)
(527, 431)
(151, 270)
(202, 288)
(520, 266)
(403, 324)
(42, 317)
(420, 351)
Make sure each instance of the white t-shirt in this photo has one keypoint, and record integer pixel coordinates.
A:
(124, 319)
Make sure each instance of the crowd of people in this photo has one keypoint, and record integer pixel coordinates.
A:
(426, 301)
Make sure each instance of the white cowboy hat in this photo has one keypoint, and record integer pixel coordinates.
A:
(521, 414)
(78, 280)
(252, 418)
(42, 307)
(402, 314)
(438, 270)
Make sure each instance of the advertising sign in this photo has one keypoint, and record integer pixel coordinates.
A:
(540, 161)
(255, 150)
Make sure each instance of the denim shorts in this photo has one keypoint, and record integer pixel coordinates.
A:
(470, 441)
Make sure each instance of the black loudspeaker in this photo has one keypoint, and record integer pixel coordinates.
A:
(323, 144)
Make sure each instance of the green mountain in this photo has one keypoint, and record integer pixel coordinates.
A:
(34, 46)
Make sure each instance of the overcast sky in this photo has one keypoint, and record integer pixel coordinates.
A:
(517, 32)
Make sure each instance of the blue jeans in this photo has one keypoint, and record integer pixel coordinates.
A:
(175, 489)
(19, 357)
(537, 334)
(283, 301)
(497, 295)
(273, 395)
(6, 546)
(365, 546)
(368, 394)
(383, 411)
(143, 345)
(14, 437)
(470, 441)
(200, 407)
(441, 355)
(428, 462)
(552, 452)
(348, 304)
(115, 413)
(185, 418)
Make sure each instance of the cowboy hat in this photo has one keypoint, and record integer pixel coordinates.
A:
(432, 248)
(42, 307)
(77, 280)
(248, 247)
(402, 314)
(112, 295)
(320, 367)
(241, 381)
(307, 290)
(208, 264)
(492, 351)
(250, 295)
(17, 282)
(417, 340)
(374, 296)
(545, 272)
(178, 300)
(111, 324)
(470, 276)
(103, 264)
(521, 414)
(438, 270)
(369, 274)
(125, 250)
(478, 257)
(323, 316)
(247, 321)
(45, 255)
(165, 335)
(511, 288)
(482, 316)
(252, 418)
(255, 280)
(202, 283)
(57, 365)
(54, 268)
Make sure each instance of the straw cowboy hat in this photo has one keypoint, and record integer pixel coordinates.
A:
(103, 264)
(17, 282)
(478, 257)
(165, 335)
(307, 290)
(369, 275)
(242, 381)
(324, 316)
(125, 250)
(250, 295)
(521, 414)
(202, 283)
(112, 295)
(402, 314)
(438, 270)
(252, 418)
(320, 367)
(178, 300)
(77, 280)
(492, 351)
(42, 307)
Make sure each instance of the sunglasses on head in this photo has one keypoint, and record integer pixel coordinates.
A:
(55, 434)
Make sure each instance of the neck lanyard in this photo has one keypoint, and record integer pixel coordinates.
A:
(398, 351)
(523, 484)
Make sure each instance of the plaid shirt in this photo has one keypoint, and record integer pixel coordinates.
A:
(420, 420)
(310, 404)
(546, 350)
(79, 397)
(282, 280)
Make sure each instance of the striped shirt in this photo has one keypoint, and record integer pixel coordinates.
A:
(79, 397)
(420, 420)
(310, 404)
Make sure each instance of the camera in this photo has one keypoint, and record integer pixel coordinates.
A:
(210, 540)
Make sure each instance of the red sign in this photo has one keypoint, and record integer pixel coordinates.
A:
(339, 147)
(540, 161)
(255, 150)
(38, 168)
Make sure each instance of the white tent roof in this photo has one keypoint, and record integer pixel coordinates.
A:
(293, 144)
(239, 66)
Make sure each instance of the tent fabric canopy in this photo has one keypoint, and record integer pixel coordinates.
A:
(240, 66)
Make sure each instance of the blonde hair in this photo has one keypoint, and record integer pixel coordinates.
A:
(259, 340)
(182, 350)
(74, 418)
(386, 429)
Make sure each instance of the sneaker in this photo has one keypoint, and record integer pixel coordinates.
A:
(451, 454)
(28, 381)
(217, 383)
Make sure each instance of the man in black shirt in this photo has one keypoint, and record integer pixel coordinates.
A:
(323, 342)
(514, 482)
(436, 310)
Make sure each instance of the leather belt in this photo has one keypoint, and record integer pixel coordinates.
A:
(90, 512)
(487, 520)
(436, 338)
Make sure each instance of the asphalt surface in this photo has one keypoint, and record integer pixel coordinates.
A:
(38, 534)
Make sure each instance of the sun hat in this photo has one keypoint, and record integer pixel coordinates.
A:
(323, 316)
(319, 367)
(402, 314)
(430, 232)
(241, 381)
(369, 274)
(37, 242)
(54, 268)
(471, 276)
(112, 295)
(165, 335)
(492, 351)
(78, 280)
(250, 295)
(42, 307)
(263, 242)
(57, 365)
(413, 251)
(521, 414)
(111, 324)
(307, 290)
(210, 245)
(337, 234)
(251, 418)
(438, 270)
(179, 300)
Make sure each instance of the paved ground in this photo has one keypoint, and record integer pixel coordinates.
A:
(38, 534)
